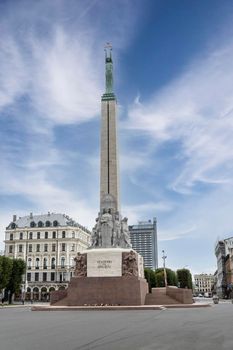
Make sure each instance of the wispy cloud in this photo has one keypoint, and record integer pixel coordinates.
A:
(51, 58)
(196, 110)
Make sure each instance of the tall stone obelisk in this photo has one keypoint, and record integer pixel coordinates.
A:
(110, 231)
(109, 179)
(109, 272)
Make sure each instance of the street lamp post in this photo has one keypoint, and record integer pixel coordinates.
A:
(164, 257)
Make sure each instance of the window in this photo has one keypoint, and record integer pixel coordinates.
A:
(13, 226)
(54, 234)
(30, 248)
(46, 234)
(21, 235)
(52, 276)
(38, 235)
(48, 223)
(30, 235)
(20, 248)
(11, 237)
(45, 263)
(53, 263)
(62, 262)
(46, 247)
(10, 249)
(73, 234)
(63, 234)
(29, 264)
(40, 224)
(36, 276)
(55, 223)
(32, 224)
(37, 247)
(44, 276)
(72, 247)
(63, 247)
(29, 276)
(37, 263)
(53, 247)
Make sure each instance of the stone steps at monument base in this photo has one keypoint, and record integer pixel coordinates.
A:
(152, 299)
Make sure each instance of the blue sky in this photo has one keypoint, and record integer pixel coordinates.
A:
(174, 83)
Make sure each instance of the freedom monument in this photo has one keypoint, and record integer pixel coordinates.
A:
(110, 272)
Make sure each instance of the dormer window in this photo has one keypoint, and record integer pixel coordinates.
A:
(48, 223)
(55, 223)
(40, 224)
(32, 224)
(13, 225)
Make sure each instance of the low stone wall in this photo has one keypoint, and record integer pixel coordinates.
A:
(183, 295)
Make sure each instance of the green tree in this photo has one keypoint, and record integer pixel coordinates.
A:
(15, 281)
(150, 277)
(159, 277)
(184, 278)
(5, 271)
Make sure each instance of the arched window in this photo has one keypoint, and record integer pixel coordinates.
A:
(45, 263)
(62, 262)
(29, 263)
(40, 224)
(48, 223)
(37, 263)
(55, 223)
(32, 224)
(53, 263)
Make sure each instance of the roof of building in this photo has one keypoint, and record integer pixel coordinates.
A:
(44, 220)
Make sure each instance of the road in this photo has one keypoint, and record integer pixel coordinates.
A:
(175, 329)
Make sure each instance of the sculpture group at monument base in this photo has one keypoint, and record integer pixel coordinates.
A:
(102, 291)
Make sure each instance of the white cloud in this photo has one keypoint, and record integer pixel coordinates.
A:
(52, 73)
(196, 110)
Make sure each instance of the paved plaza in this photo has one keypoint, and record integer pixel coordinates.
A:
(175, 329)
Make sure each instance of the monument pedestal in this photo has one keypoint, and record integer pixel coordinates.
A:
(112, 276)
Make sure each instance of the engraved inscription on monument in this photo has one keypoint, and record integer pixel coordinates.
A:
(104, 264)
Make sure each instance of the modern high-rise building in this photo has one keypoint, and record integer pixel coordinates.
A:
(144, 240)
(48, 244)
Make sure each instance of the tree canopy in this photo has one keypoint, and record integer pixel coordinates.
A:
(184, 278)
(6, 265)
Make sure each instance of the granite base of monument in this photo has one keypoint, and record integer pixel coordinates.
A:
(105, 277)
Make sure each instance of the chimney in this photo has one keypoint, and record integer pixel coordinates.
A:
(48, 213)
(31, 215)
(14, 218)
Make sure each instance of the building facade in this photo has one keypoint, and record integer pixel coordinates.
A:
(204, 283)
(224, 255)
(48, 244)
(143, 238)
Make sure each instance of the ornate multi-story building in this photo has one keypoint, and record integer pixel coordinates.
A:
(204, 283)
(224, 255)
(48, 244)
